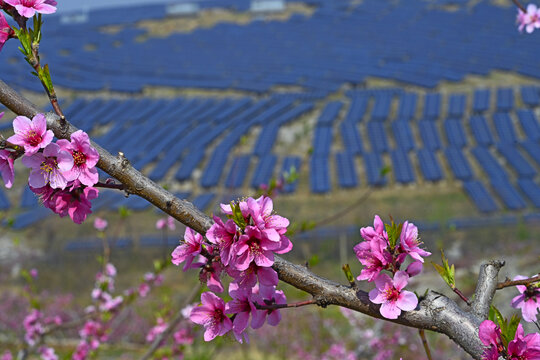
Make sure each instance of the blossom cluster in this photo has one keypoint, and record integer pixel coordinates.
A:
(385, 248)
(243, 247)
(522, 347)
(528, 300)
(34, 327)
(530, 19)
(62, 173)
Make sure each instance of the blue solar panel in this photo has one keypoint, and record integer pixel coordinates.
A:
(481, 131)
(432, 106)
(457, 105)
(238, 171)
(351, 138)
(346, 170)
(509, 195)
(377, 136)
(531, 189)
(533, 149)
(480, 196)
(203, 201)
(530, 124)
(329, 113)
(403, 135)
(429, 134)
(381, 106)
(407, 106)
(488, 162)
(516, 160)
(319, 175)
(481, 100)
(374, 166)
(357, 108)
(530, 95)
(458, 163)
(429, 165)
(402, 167)
(28, 198)
(505, 99)
(290, 162)
(504, 128)
(455, 133)
(264, 171)
(4, 201)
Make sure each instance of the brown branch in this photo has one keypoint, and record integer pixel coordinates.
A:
(422, 333)
(518, 4)
(526, 282)
(284, 306)
(435, 311)
(461, 296)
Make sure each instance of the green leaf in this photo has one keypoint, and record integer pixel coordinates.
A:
(124, 212)
(394, 231)
(447, 272)
(314, 261)
(385, 170)
(512, 327)
(238, 218)
(45, 76)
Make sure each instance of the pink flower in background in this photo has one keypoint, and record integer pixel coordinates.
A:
(528, 301)
(34, 273)
(188, 250)
(47, 353)
(28, 8)
(390, 294)
(6, 356)
(212, 316)
(31, 134)
(85, 158)
(160, 327)
(6, 168)
(166, 223)
(100, 224)
(183, 337)
(529, 20)
(48, 167)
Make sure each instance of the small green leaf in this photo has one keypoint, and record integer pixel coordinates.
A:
(124, 212)
(512, 327)
(238, 218)
(314, 261)
(447, 272)
(385, 170)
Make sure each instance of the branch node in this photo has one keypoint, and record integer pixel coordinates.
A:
(124, 162)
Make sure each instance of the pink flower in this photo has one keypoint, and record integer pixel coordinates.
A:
(409, 243)
(374, 256)
(212, 316)
(223, 235)
(48, 167)
(75, 202)
(156, 330)
(529, 20)
(211, 275)
(6, 168)
(5, 33)
(267, 295)
(100, 224)
(189, 250)
(6, 356)
(144, 289)
(33, 273)
(28, 8)
(47, 353)
(391, 295)
(183, 337)
(168, 222)
(31, 134)
(242, 306)
(528, 301)
(524, 347)
(85, 158)
(249, 277)
(251, 247)
(491, 337)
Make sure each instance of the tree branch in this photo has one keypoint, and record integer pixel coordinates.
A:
(485, 288)
(435, 311)
(526, 282)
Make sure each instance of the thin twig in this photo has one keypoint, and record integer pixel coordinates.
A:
(425, 343)
(172, 325)
(285, 306)
(110, 186)
(518, 4)
(461, 295)
(525, 282)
